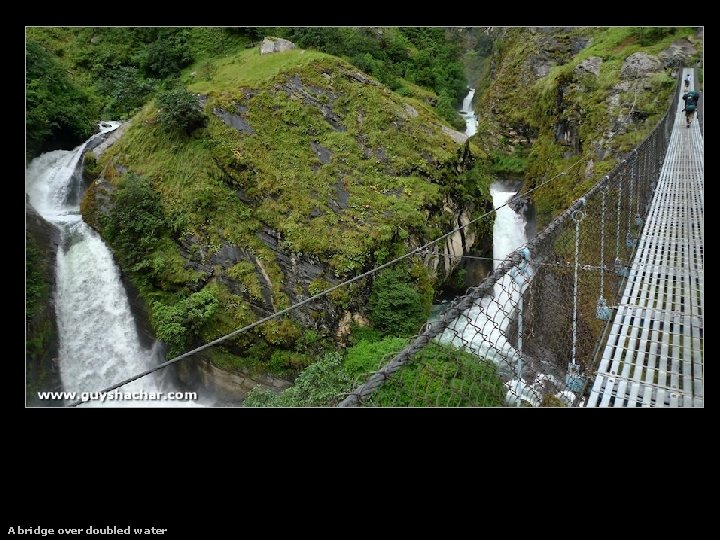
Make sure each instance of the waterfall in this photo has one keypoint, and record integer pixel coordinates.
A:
(482, 328)
(99, 345)
(468, 114)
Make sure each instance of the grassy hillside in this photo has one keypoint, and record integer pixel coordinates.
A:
(306, 171)
(112, 72)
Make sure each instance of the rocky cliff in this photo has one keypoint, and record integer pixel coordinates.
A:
(561, 94)
(41, 332)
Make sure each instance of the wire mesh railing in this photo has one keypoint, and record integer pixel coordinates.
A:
(529, 334)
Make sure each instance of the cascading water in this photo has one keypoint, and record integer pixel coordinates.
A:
(99, 345)
(481, 329)
(468, 114)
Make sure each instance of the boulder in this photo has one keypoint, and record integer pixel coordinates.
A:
(678, 54)
(272, 45)
(640, 64)
(589, 65)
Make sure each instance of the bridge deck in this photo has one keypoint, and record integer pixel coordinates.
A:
(654, 353)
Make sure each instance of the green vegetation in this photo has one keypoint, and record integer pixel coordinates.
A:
(57, 113)
(41, 339)
(437, 376)
(503, 164)
(136, 223)
(76, 76)
(397, 306)
(294, 170)
(324, 156)
(397, 56)
(572, 100)
(37, 287)
(318, 385)
(177, 324)
(111, 72)
(249, 68)
(179, 111)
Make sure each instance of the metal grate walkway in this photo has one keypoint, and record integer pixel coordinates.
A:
(654, 353)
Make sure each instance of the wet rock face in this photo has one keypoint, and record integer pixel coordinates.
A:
(234, 121)
(228, 388)
(42, 339)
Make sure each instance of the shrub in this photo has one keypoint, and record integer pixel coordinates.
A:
(167, 54)
(125, 90)
(396, 306)
(179, 111)
(136, 221)
(320, 384)
(178, 324)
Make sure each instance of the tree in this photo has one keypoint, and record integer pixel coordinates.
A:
(58, 114)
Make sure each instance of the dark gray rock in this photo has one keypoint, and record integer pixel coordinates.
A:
(234, 121)
(319, 98)
(340, 201)
(589, 65)
(360, 77)
(41, 355)
(299, 270)
(229, 388)
(678, 54)
(323, 154)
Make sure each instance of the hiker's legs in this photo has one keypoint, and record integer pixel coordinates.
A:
(688, 117)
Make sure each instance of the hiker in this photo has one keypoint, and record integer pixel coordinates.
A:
(687, 81)
(691, 100)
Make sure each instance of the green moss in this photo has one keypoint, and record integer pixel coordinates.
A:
(37, 286)
(244, 272)
(503, 164)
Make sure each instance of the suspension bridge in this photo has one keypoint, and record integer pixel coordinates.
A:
(603, 307)
(654, 352)
(635, 237)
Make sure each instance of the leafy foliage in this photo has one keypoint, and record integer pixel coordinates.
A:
(320, 384)
(177, 324)
(126, 90)
(396, 306)
(180, 111)
(167, 53)
(58, 113)
(136, 221)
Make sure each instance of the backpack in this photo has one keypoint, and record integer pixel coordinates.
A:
(691, 100)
